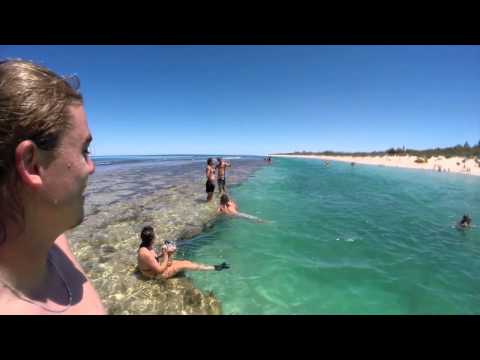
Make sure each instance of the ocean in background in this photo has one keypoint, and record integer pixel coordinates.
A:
(108, 162)
(345, 240)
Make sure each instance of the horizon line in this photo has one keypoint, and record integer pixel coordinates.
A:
(186, 154)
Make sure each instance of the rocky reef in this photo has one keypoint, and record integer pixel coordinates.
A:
(119, 202)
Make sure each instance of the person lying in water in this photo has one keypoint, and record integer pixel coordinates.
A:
(229, 207)
(152, 266)
(465, 222)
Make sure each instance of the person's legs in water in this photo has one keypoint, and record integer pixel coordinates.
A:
(221, 186)
(210, 188)
(181, 265)
(250, 217)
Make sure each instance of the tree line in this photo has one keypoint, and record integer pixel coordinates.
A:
(465, 151)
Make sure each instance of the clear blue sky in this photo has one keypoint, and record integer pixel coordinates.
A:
(263, 99)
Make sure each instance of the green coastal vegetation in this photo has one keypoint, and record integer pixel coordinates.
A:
(466, 151)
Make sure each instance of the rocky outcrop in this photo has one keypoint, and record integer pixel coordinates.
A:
(118, 205)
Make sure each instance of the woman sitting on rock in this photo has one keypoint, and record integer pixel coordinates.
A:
(151, 265)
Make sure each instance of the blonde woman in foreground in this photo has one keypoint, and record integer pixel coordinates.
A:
(44, 168)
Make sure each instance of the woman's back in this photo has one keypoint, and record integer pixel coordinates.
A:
(144, 259)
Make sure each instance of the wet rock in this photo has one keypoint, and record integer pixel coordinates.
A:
(190, 232)
(106, 242)
(88, 266)
(128, 215)
(108, 249)
(193, 297)
(208, 225)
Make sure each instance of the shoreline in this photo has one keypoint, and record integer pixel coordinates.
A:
(439, 164)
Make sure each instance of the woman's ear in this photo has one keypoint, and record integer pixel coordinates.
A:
(27, 163)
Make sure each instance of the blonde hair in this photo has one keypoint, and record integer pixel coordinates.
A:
(34, 105)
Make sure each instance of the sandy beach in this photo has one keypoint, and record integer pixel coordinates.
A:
(440, 163)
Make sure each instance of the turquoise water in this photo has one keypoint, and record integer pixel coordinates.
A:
(343, 240)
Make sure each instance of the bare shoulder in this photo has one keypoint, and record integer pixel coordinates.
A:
(146, 256)
(64, 245)
(143, 253)
(73, 285)
(85, 298)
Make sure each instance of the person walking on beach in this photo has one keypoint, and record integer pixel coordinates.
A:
(44, 167)
(152, 266)
(221, 168)
(210, 184)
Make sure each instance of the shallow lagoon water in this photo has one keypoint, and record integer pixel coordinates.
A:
(346, 240)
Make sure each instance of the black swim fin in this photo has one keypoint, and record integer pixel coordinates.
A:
(222, 266)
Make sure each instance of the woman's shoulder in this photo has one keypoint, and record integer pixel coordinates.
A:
(143, 251)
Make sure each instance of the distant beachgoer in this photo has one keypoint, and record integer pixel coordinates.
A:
(228, 207)
(163, 266)
(465, 222)
(210, 184)
(221, 168)
(44, 168)
(353, 164)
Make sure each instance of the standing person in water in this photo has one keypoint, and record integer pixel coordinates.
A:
(44, 168)
(151, 265)
(221, 167)
(210, 184)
